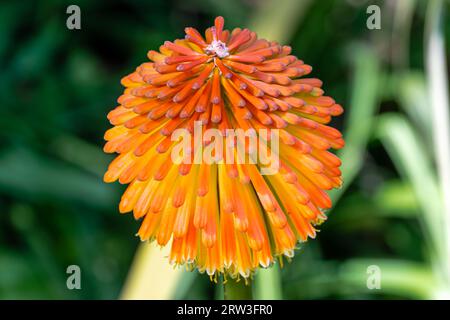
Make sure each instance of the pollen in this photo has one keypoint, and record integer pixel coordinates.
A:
(218, 48)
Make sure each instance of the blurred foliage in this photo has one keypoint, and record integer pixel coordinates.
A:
(58, 85)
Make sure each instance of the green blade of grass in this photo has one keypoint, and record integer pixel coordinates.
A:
(363, 106)
(397, 277)
(410, 158)
(27, 175)
(413, 98)
(396, 198)
(436, 70)
(277, 20)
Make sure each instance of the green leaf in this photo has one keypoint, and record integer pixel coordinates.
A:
(410, 158)
(25, 174)
(363, 106)
(396, 198)
(398, 277)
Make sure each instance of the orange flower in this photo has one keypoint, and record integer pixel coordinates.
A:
(224, 217)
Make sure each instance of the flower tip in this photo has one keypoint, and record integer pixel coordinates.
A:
(242, 103)
(184, 114)
(200, 108)
(108, 178)
(219, 21)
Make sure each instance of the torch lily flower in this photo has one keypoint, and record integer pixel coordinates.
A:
(224, 217)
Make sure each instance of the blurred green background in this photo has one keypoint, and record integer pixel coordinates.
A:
(57, 86)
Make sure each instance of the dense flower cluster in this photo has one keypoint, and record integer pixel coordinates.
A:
(224, 217)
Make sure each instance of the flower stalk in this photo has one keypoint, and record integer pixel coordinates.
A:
(237, 290)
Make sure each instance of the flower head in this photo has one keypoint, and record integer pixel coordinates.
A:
(224, 217)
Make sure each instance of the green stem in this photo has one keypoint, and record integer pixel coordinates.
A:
(233, 290)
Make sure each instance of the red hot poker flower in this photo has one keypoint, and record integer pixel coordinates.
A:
(224, 217)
